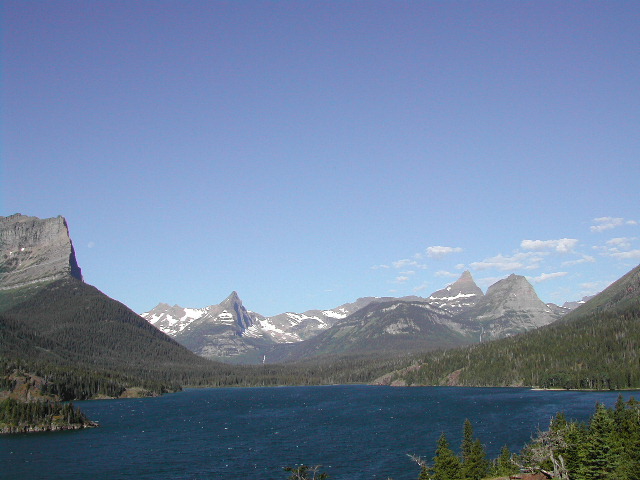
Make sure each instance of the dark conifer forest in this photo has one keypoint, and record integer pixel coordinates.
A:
(596, 346)
(606, 447)
(19, 417)
(72, 342)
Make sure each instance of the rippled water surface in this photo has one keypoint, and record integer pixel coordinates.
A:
(355, 432)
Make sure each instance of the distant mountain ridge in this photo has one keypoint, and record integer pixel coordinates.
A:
(459, 296)
(455, 315)
(216, 331)
(594, 346)
(510, 306)
(381, 328)
(67, 339)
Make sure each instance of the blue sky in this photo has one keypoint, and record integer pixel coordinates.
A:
(306, 154)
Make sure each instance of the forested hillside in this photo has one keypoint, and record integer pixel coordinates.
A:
(22, 417)
(70, 341)
(595, 347)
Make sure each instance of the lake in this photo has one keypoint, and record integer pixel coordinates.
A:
(355, 432)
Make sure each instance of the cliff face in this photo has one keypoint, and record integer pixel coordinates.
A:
(34, 250)
(510, 306)
(459, 296)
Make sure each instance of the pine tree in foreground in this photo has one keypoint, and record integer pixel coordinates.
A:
(446, 465)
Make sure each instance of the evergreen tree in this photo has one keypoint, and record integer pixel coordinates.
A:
(597, 453)
(474, 461)
(425, 474)
(467, 441)
(446, 465)
(476, 466)
(627, 427)
(504, 465)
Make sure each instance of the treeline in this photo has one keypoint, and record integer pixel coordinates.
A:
(18, 417)
(26, 378)
(607, 446)
(81, 344)
(471, 464)
(599, 350)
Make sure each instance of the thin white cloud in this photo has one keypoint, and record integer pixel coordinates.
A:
(438, 251)
(584, 259)
(380, 267)
(607, 223)
(523, 260)
(562, 245)
(421, 288)
(402, 279)
(486, 282)
(626, 255)
(547, 276)
(620, 248)
(406, 262)
(622, 243)
(403, 263)
(408, 272)
(591, 288)
(444, 273)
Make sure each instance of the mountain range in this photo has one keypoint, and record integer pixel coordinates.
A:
(64, 338)
(595, 346)
(456, 315)
(35, 253)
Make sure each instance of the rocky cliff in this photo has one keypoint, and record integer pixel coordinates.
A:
(216, 331)
(510, 306)
(34, 250)
(459, 296)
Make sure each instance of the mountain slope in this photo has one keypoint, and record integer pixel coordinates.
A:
(295, 327)
(510, 306)
(215, 332)
(71, 326)
(460, 296)
(33, 252)
(459, 313)
(392, 327)
(229, 332)
(595, 346)
(398, 326)
(68, 335)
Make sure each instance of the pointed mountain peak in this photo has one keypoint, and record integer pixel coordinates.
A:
(466, 279)
(464, 285)
(232, 298)
(459, 296)
(466, 275)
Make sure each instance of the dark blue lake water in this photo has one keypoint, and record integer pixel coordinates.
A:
(355, 432)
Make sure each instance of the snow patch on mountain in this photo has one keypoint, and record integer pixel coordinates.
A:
(339, 313)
